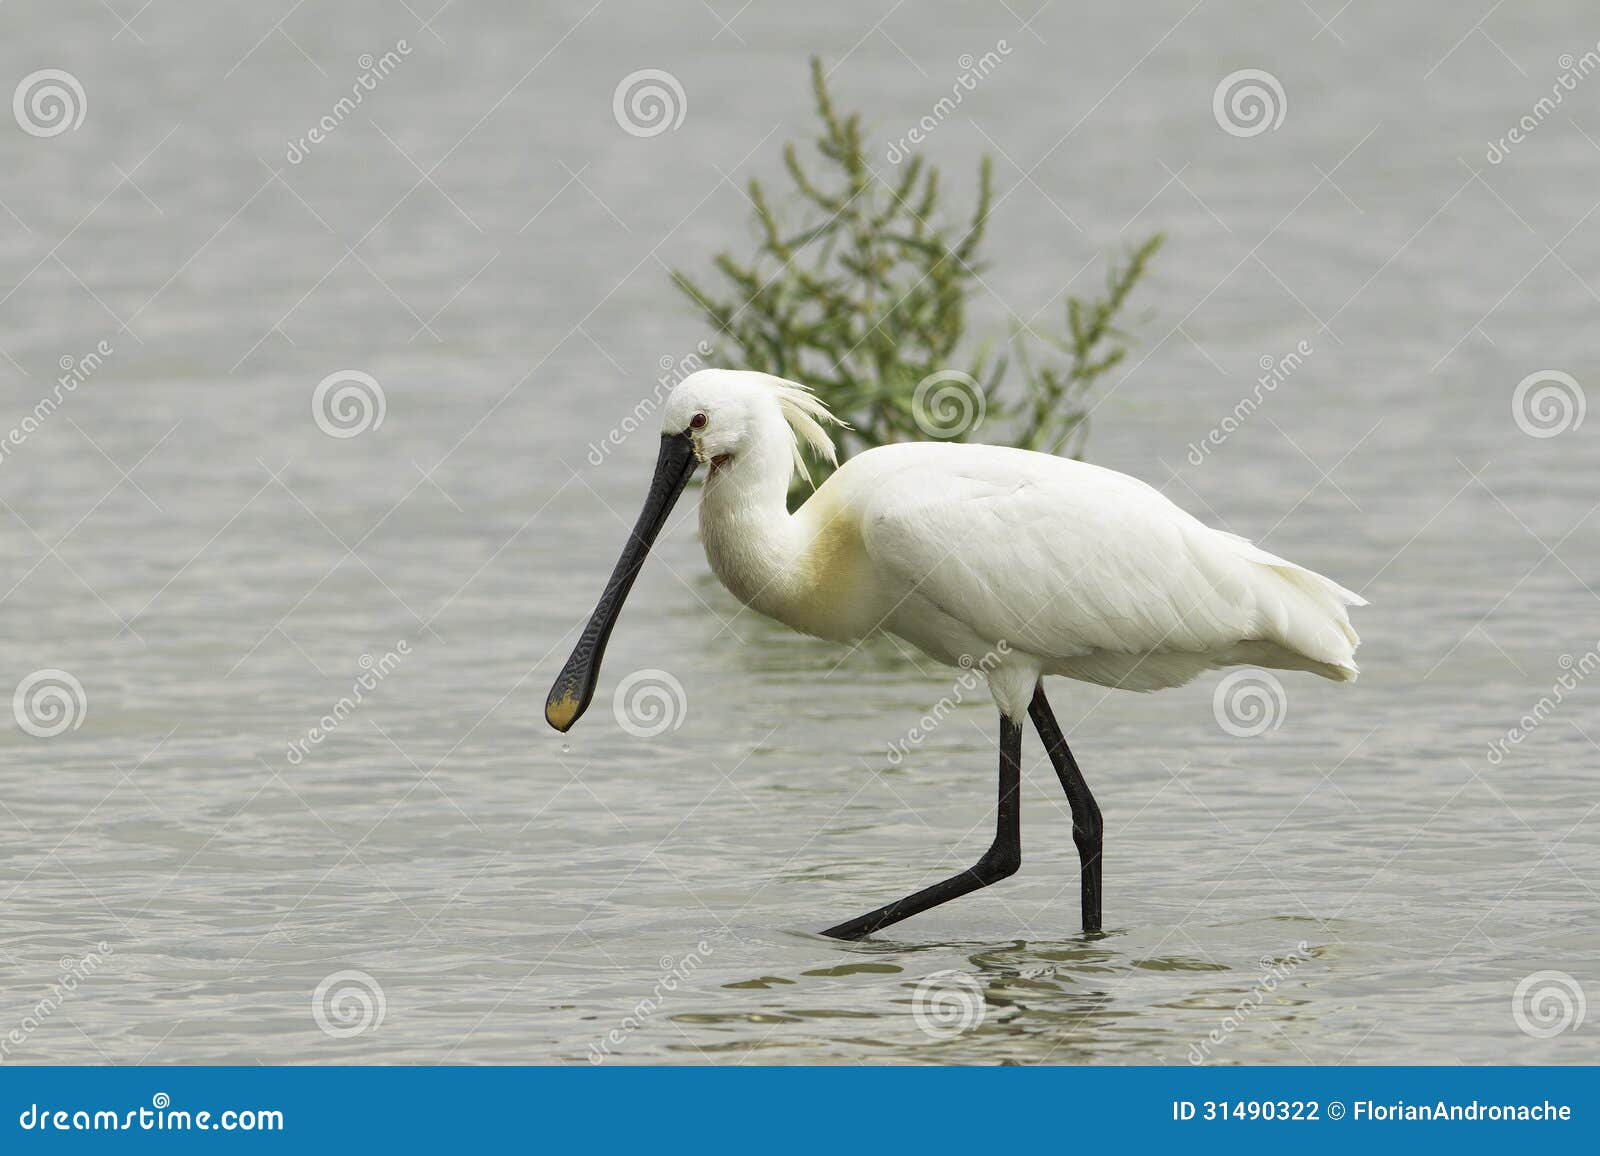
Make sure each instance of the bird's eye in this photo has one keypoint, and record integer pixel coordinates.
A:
(698, 421)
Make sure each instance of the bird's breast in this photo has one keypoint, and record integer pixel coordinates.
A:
(810, 573)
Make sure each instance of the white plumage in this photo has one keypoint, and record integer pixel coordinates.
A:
(1046, 565)
(1016, 564)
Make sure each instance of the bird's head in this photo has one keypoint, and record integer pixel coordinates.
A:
(732, 417)
(746, 426)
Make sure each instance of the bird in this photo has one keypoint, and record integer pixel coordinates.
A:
(1015, 563)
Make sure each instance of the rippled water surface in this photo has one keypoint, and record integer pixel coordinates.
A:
(1361, 884)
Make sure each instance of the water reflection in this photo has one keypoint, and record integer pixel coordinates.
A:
(1075, 1000)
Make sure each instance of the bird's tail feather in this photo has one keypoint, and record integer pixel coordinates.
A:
(1306, 612)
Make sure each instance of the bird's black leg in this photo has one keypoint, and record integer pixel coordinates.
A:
(1087, 827)
(1000, 860)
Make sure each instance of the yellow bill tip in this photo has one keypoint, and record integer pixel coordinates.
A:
(562, 713)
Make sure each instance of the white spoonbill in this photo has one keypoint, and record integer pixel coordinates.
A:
(1025, 563)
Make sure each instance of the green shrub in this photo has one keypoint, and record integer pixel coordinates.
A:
(866, 301)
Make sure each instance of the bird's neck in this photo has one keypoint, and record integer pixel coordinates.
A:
(751, 539)
(805, 569)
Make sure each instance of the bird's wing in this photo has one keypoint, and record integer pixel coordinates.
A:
(1063, 559)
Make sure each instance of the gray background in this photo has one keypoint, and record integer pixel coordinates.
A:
(485, 240)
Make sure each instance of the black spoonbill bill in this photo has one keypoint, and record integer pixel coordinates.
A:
(1038, 564)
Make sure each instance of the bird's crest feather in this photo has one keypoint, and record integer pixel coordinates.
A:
(805, 413)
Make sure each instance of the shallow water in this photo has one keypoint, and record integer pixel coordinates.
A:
(1361, 884)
